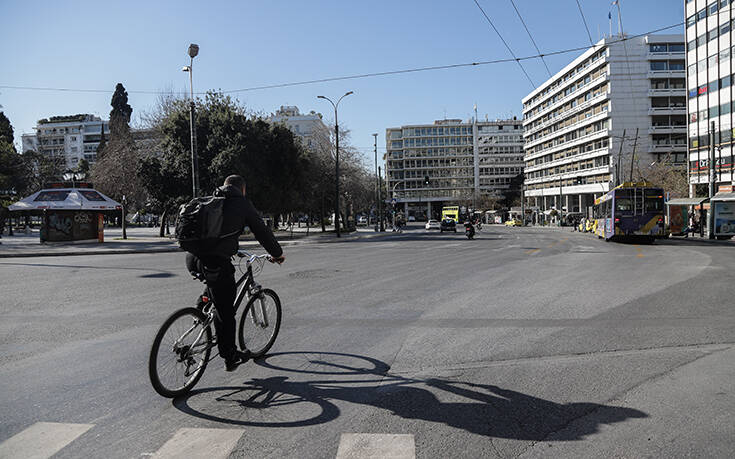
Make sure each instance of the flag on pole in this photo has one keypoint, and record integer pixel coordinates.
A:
(615, 2)
(609, 15)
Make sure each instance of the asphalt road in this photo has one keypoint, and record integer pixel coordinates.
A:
(524, 342)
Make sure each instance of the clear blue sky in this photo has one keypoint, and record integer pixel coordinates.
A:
(86, 44)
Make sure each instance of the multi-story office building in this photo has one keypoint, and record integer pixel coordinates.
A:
(74, 137)
(451, 162)
(575, 121)
(710, 93)
(305, 126)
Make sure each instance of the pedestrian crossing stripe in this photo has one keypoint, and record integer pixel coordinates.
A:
(42, 440)
(200, 443)
(374, 446)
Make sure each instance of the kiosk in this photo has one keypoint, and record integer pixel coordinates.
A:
(68, 213)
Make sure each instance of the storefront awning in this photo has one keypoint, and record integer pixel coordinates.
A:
(724, 197)
(686, 201)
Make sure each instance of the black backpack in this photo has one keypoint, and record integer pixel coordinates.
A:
(199, 224)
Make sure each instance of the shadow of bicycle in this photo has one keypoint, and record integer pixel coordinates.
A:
(474, 407)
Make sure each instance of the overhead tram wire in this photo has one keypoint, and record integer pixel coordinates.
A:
(359, 76)
(506, 44)
(585, 23)
(530, 36)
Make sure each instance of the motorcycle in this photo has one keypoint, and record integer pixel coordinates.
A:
(469, 230)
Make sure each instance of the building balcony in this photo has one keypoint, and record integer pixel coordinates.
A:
(664, 147)
(568, 159)
(666, 55)
(667, 92)
(565, 130)
(667, 129)
(666, 74)
(572, 95)
(598, 98)
(667, 110)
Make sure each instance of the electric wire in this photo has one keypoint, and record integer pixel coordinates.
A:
(585, 23)
(530, 36)
(505, 43)
(357, 76)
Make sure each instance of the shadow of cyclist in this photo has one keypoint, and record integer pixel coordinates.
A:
(482, 409)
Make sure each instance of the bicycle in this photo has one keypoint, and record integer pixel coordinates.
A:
(182, 347)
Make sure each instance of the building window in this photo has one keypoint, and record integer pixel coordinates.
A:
(658, 65)
(658, 48)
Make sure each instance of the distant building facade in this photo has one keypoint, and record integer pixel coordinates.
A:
(575, 121)
(451, 162)
(73, 137)
(710, 74)
(76, 137)
(306, 126)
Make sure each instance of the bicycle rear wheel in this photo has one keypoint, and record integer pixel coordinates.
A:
(260, 323)
(180, 352)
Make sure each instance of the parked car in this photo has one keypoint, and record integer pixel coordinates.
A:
(432, 225)
(448, 224)
(514, 222)
(362, 220)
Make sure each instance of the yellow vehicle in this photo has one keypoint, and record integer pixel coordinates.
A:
(514, 222)
(451, 212)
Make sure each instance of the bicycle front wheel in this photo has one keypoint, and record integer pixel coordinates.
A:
(180, 352)
(260, 323)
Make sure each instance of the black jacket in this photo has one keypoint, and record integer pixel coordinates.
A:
(238, 212)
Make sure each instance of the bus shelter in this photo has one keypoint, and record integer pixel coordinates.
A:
(68, 213)
(723, 204)
(677, 213)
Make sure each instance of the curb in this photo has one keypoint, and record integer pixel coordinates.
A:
(289, 242)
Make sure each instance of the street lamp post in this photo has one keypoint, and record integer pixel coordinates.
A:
(193, 51)
(336, 159)
(378, 205)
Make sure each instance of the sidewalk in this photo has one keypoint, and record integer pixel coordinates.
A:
(146, 240)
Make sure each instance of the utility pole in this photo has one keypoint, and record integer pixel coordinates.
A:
(619, 164)
(523, 204)
(378, 206)
(711, 214)
(561, 206)
(632, 156)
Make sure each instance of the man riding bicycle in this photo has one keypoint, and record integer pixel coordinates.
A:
(238, 212)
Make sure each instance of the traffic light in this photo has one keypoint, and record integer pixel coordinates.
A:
(579, 180)
(426, 179)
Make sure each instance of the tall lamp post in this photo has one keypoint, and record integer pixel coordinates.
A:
(193, 51)
(336, 159)
(378, 206)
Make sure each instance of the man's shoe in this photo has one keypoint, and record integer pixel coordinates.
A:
(238, 357)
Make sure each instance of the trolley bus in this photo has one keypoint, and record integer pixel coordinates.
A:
(632, 211)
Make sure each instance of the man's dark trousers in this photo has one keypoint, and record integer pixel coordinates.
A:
(220, 276)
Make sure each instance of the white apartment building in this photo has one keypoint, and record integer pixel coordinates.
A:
(451, 162)
(74, 137)
(304, 126)
(575, 121)
(710, 91)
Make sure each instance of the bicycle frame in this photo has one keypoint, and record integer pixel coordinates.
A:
(247, 288)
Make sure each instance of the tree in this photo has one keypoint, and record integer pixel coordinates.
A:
(83, 167)
(115, 172)
(672, 178)
(512, 196)
(120, 113)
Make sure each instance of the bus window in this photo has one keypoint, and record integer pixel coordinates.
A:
(654, 201)
(623, 205)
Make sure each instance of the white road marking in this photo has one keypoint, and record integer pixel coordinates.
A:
(200, 443)
(374, 446)
(42, 440)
